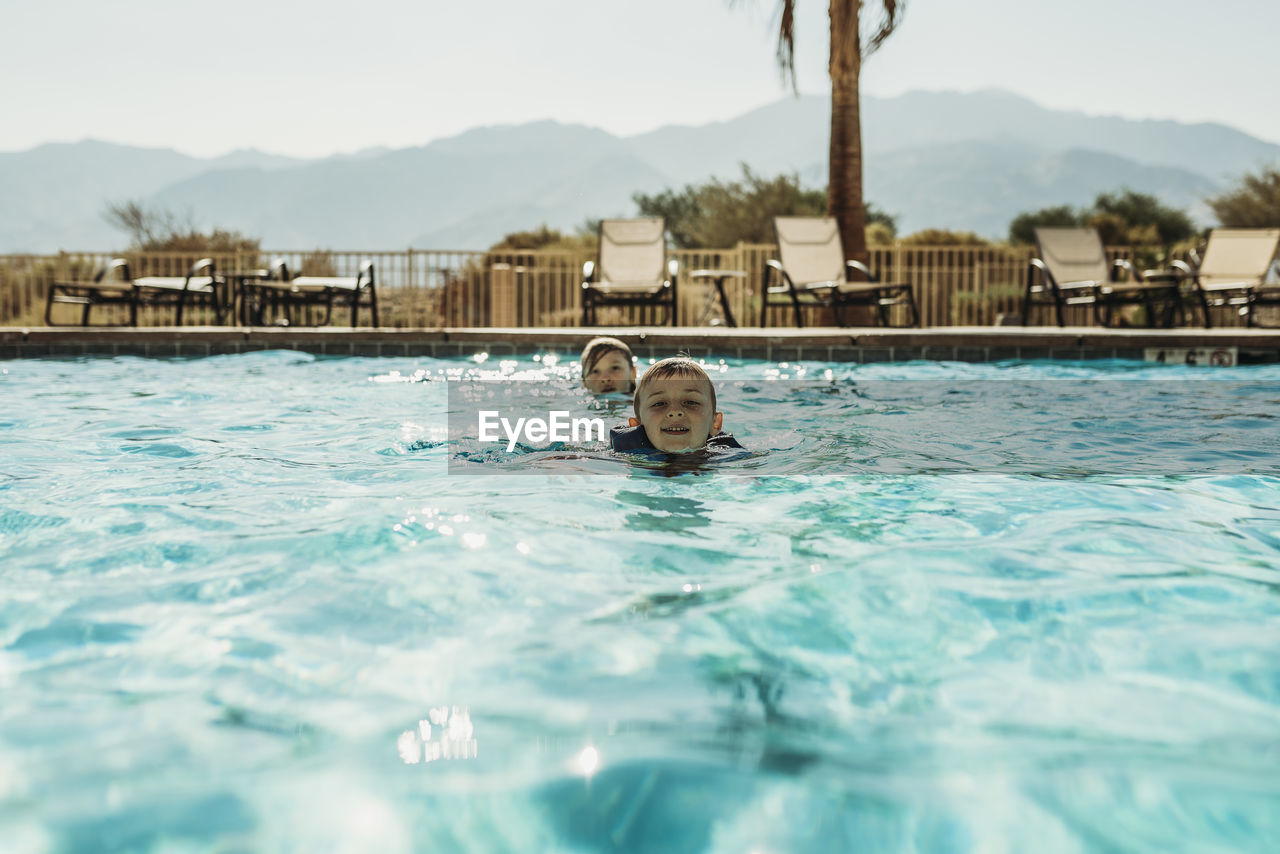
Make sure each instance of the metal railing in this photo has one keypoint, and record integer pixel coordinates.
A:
(425, 288)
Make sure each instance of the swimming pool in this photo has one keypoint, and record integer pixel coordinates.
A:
(262, 603)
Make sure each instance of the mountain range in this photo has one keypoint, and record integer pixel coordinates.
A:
(963, 161)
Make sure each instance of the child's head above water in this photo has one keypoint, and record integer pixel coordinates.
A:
(607, 366)
(676, 404)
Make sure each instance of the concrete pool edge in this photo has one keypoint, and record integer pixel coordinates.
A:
(965, 344)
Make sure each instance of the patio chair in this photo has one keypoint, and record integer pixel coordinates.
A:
(287, 292)
(1233, 272)
(200, 287)
(1072, 269)
(813, 272)
(110, 285)
(631, 269)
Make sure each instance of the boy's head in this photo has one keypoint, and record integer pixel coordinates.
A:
(676, 404)
(607, 366)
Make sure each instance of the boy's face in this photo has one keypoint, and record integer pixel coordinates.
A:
(676, 413)
(611, 372)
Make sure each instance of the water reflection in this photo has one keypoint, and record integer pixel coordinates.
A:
(756, 724)
(664, 512)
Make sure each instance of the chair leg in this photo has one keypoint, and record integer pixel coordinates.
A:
(84, 314)
(795, 303)
(1057, 305)
(373, 305)
(1102, 312)
(911, 304)
(882, 310)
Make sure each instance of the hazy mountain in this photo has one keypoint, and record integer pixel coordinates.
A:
(791, 135)
(960, 161)
(252, 158)
(982, 185)
(55, 195)
(496, 179)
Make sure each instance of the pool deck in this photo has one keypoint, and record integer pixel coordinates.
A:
(952, 343)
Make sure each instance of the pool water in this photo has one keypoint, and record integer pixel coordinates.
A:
(264, 602)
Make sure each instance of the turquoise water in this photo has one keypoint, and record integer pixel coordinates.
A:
(246, 604)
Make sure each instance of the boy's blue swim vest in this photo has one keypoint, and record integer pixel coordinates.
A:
(635, 439)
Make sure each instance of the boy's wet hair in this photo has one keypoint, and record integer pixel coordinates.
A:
(598, 348)
(676, 367)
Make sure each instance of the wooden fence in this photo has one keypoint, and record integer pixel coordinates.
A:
(954, 285)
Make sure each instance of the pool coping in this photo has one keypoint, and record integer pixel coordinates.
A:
(953, 343)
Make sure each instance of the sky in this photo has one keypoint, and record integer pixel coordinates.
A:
(314, 78)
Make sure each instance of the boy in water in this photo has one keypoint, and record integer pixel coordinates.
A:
(608, 366)
(675, 409)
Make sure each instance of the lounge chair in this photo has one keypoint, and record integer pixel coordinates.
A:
(631, 269)
(113, 284)
(287, 292)
(814, 272)
(201, 287)
(1233, 272)
(110, 285)
(1072, 269)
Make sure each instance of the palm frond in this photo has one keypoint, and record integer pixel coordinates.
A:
(893, 10)
(787, 42)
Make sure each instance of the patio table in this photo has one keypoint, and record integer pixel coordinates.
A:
(718, 278)
(242, 283)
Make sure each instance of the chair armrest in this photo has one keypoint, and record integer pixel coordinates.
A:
(772, 266)
(588, 272)
(202, 264)
(673, 271)
(365, 276)
(1036, 266)
(1121, 270)
(854, 264)
(111, 266)
(280, 270)
(1156, 277)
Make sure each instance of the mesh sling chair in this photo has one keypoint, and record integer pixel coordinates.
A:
(813, 272)
(631, 269)
(113, 284)
(1233, 272)
(287, 292)
(1072, 269)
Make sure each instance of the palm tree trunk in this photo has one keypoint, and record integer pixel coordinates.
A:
(844, 184)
